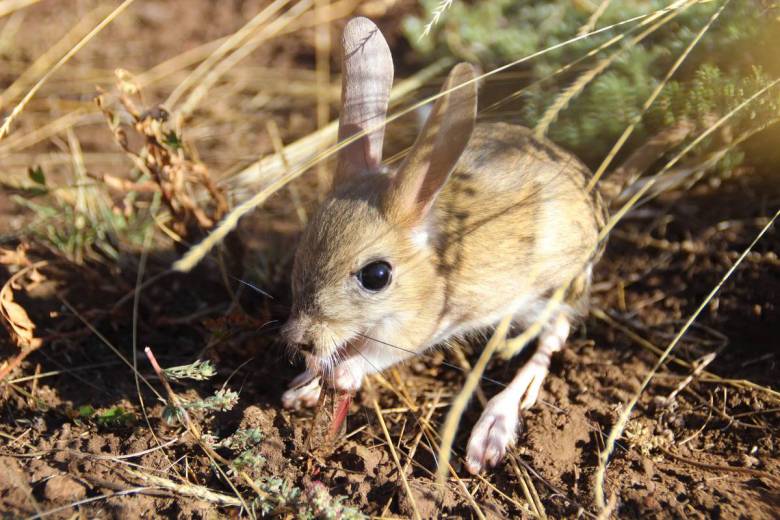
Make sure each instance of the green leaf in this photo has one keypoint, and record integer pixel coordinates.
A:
(172, 140)
(115, 417)
(86, 411)
(36, 175)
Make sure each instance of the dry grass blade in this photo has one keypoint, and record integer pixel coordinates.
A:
(443, 6)
(305, 149)
(322, 54)
(72, 505)
(398, 465)
(187, 489)
(619, 214)
(276, 142)
(619, 426)
(645, 19)
(594, 18)
(524, 487)
(69, 120)
(699, 367)
(721, 468)
(431, 435)
(9, 6)
(686, 175)
(705, 376)
(178, 62)
(5, 129)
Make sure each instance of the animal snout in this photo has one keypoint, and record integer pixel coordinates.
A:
(295, 333)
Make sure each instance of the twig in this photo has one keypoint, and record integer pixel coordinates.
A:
(699, 367)
(194, 429)
(189, 490)
(717, 467)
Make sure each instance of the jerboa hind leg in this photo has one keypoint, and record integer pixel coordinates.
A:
(496, 429)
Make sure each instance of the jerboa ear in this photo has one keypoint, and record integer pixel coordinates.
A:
(437, 149)
(367, 75)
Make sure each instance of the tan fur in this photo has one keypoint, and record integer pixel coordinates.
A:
(513, 219)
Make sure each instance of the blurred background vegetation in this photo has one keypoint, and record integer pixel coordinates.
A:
(733, 60)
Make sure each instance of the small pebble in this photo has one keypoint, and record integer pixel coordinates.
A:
(750, 461)
(63, 488)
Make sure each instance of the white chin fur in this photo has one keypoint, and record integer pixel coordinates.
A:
(326, 362)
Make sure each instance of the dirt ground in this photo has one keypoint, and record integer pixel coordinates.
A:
(709, 452)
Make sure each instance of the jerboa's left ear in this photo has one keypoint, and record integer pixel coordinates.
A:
(437, 149)
(365, 92)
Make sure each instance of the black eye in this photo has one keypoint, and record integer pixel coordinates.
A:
(375, 276)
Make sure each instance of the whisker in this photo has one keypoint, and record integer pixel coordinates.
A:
(450, 365)
(349, 344)
(252, 286)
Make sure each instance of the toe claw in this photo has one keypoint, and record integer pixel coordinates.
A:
(302, 396)
(493, 433)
